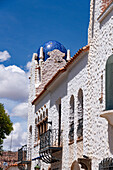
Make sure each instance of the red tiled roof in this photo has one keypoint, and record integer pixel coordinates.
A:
(63, 69)
(105, 5)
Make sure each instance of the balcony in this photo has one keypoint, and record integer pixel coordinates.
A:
(22, 156)
(50, 142)
(22, 152)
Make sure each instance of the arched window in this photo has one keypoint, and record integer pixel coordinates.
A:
(80, 114)
(36, 130)
(43, 114)
(47, 112)
(109, 83)
(71, 119)
(30, 133)
(30, 142)
(40, 117)
(30, 129)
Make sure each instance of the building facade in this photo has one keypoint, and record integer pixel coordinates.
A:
(8, 158)
(70, 119)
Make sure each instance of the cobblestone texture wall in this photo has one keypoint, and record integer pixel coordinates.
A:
(101, 44)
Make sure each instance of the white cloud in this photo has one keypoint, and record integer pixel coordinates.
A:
(8, 104)
(28, 66)
(14, 69)
(13, 83)
(14, 96)
(4, 56)
(20, 110)
(16, 139)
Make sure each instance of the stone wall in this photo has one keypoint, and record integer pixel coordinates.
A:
(101, 44)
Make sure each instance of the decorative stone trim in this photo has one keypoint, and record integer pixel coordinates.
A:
(80, 139)
(42, 121)
(71, 142)
(60, 71)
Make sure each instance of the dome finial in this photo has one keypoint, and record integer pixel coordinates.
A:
(50, 46)
(41, 56)
(68, 55)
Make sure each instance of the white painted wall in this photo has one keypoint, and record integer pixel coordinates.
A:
(101, 45)
(85, 74)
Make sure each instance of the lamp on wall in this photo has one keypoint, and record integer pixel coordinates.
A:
(84, 156)
(49, 122)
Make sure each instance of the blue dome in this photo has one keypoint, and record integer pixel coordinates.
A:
(50, 46)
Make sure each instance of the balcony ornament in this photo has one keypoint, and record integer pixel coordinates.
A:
(41, 56)
(106, 163)
(49, 122)
(68, 55)
(47, 157)
(108, 115)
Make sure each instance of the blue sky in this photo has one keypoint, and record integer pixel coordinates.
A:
(24, 26)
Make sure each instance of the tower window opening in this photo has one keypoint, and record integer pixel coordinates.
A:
(71, 120)
(80, 114)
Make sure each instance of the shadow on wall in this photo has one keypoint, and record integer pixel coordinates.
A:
(110, 137)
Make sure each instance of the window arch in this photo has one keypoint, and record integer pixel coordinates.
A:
(30, 142)
(80, 114)
(43, 114)
(36, 121)
(30, 129)
(71, 119)
(36, 130)
(109, 83)
(40, 117)
(47, 112)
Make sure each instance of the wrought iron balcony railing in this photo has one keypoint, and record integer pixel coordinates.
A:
(106, 164)
(22, 157)
(50, 142)
(22, 153)
(51, 138)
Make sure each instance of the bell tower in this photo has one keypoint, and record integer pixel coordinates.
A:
(99, 9)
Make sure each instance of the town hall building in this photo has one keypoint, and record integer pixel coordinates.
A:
(70, 118)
